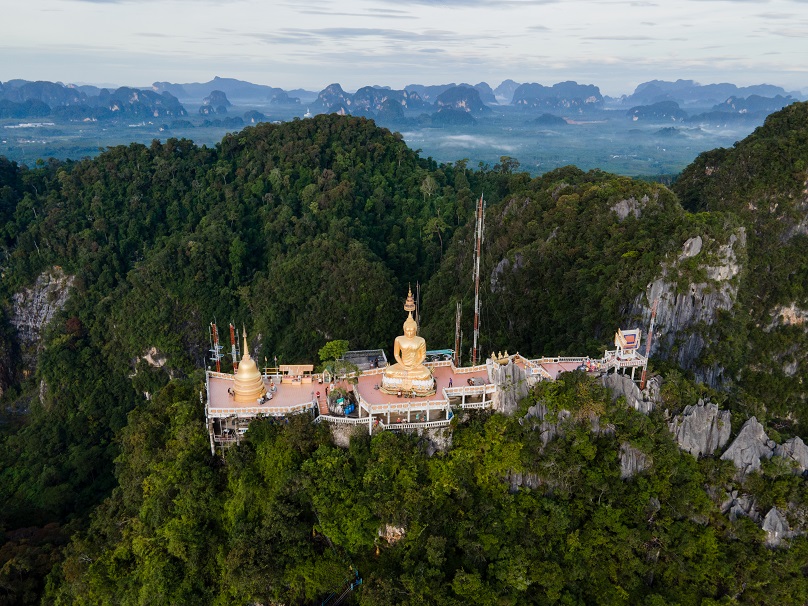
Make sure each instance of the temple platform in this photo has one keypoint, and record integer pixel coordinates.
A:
(377, 411)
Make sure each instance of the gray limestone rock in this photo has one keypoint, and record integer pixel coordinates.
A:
(683, 314)
(33, 308)
(736, 506)
(512, 383)
(622, 385)
(537, 415)
(701, 429)
(630, 206)
(749, 447)
(795, 451)
(692, 247)
(776, 528)
(632, 461)
(519, 480)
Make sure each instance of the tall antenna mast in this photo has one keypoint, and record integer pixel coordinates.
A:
(233, 347)
(418, 306)
(477, 249)
(215, 348)
(648, 343)
(457, 336)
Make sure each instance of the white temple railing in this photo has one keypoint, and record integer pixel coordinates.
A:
(425, 425)
(471, 405)
(256, 411)
(342, 420)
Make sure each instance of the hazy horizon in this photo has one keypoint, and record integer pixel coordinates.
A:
(613, 44)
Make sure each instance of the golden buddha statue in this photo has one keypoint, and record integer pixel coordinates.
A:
(409, 374)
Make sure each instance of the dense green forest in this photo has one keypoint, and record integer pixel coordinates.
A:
(310, 231)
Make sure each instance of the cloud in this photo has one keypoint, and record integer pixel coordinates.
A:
(620, 38)
(475, 3)
(792, 32)
(775, 16)
(331, 34)
(538, 28)
(377, 14)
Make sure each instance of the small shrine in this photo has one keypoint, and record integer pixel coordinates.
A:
(409, 375)
(627, 342)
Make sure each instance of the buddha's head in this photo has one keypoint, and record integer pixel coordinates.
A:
(410, 327)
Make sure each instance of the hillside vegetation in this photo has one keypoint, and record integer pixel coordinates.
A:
(311, 231)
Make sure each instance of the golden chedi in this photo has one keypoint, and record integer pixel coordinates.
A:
(409, 373)
(249, 384)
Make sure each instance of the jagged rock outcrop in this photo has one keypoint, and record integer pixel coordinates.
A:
(392, 534)
(621, 385)
(518, 479)
(155, 358)
(751, 445)
(632, 461)
(787, 315)
(688, 307)
(701, 429)
(776, 528)
(796, 452)
(512, 383)
(547, 428)
(736, 506)
(630, 206)
(33, 308)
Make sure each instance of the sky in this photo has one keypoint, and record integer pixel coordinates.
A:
(310, 44)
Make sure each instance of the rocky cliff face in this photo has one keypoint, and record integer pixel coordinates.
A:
(512, 382)
(6, 362)
(691, 290)
(701, 429)
(795, 452)
(537, 415)
(776, 528)
(632, 461)
(621, 385)
(750, 447)
(33, 308)
(740, 505)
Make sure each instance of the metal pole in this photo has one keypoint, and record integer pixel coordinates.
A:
(216, 351)
(233, 347)
(457, 336)
(648, 343)
(418, 307)
(478, 246)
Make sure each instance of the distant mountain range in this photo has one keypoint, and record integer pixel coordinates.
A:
(688, 92)
(657, 100)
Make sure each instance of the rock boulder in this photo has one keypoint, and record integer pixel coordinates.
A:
(751, 445)
(632, 461)
(512, 383)
(701, 429)
(736, 506)
(795, 451)
(622, 385)
(776, 528)
(537, 415)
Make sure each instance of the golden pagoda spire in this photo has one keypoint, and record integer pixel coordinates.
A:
(248, 384)
(409, 304)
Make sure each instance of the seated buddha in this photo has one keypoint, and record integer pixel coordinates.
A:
(409, 373)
